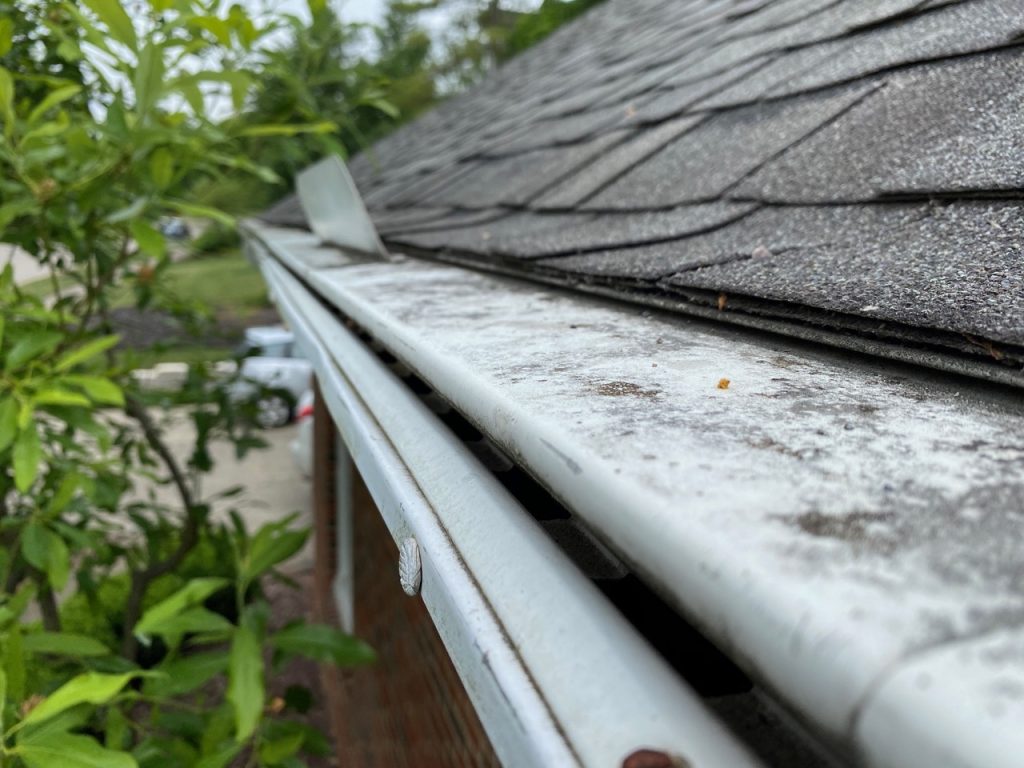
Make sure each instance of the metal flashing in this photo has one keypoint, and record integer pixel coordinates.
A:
(334, 209)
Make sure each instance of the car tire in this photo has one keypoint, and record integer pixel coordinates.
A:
(273, 411)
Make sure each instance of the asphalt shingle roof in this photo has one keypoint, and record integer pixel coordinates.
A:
(855, 164)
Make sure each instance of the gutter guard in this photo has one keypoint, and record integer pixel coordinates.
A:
(843, 528)
(557, 676)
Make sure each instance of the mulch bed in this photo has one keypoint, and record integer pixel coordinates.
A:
(141, 329)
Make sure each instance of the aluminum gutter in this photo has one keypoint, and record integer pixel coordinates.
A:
(557, 676)
(840, 526)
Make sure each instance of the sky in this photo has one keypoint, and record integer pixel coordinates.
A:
(361, 10)
(368, 11)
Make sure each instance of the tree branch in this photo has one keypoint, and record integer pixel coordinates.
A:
(48, 606)
(142, 578)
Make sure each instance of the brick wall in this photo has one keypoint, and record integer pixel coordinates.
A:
(409, 710)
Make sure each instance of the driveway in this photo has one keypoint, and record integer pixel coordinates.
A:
(274, 487)
(26, 268)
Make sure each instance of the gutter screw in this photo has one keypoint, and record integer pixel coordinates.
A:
(410, 568)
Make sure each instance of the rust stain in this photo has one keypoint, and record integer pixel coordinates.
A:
(724, 383)
(722, 301)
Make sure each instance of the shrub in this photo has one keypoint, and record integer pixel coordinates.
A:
(162, 601)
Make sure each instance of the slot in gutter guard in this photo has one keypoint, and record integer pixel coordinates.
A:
(557, 676)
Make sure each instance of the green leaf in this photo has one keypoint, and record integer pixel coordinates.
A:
(99, 390)
(289, 130)
(48, 129)
(201, 211)
(149, 77)
(6, 35)
(150, 241)
(217, 27)
(87, 688)
(55, 97)
(272, 545)
(30, 346)
(274, 751)
(192, 594)
(46, 551)
(85, 352)
(381, 105)
(133, 210)
(25, 413)
(7, 101)
(322, 643)
(117, 730)
(3, 697)
(191, 620)
(186, 674)
(71, 750)
(220, 758)
(57, 396)
(113, 15)
(161, 167)
(9, 211)
(28, 453)
(189, 89)
(69, 50)
(8, 421)
(14, 663)
(245, 680)
(65, 492)
(64, 644)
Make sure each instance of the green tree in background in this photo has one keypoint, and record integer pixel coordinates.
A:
(370, 80)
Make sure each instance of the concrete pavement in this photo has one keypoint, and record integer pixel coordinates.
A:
(274, 487)
(26, 268)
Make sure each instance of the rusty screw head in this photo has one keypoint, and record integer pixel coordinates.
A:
(652, 758)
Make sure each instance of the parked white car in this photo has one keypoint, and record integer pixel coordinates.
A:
(272, 362)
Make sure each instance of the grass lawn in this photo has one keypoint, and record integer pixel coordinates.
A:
(225, 284)
(179, 354)
(43, 287)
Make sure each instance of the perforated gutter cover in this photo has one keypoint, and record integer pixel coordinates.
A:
(847, 530)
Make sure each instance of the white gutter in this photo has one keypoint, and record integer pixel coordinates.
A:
(833, 522)
(556, 674)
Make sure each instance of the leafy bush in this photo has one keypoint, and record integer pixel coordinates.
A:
(162, 602)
